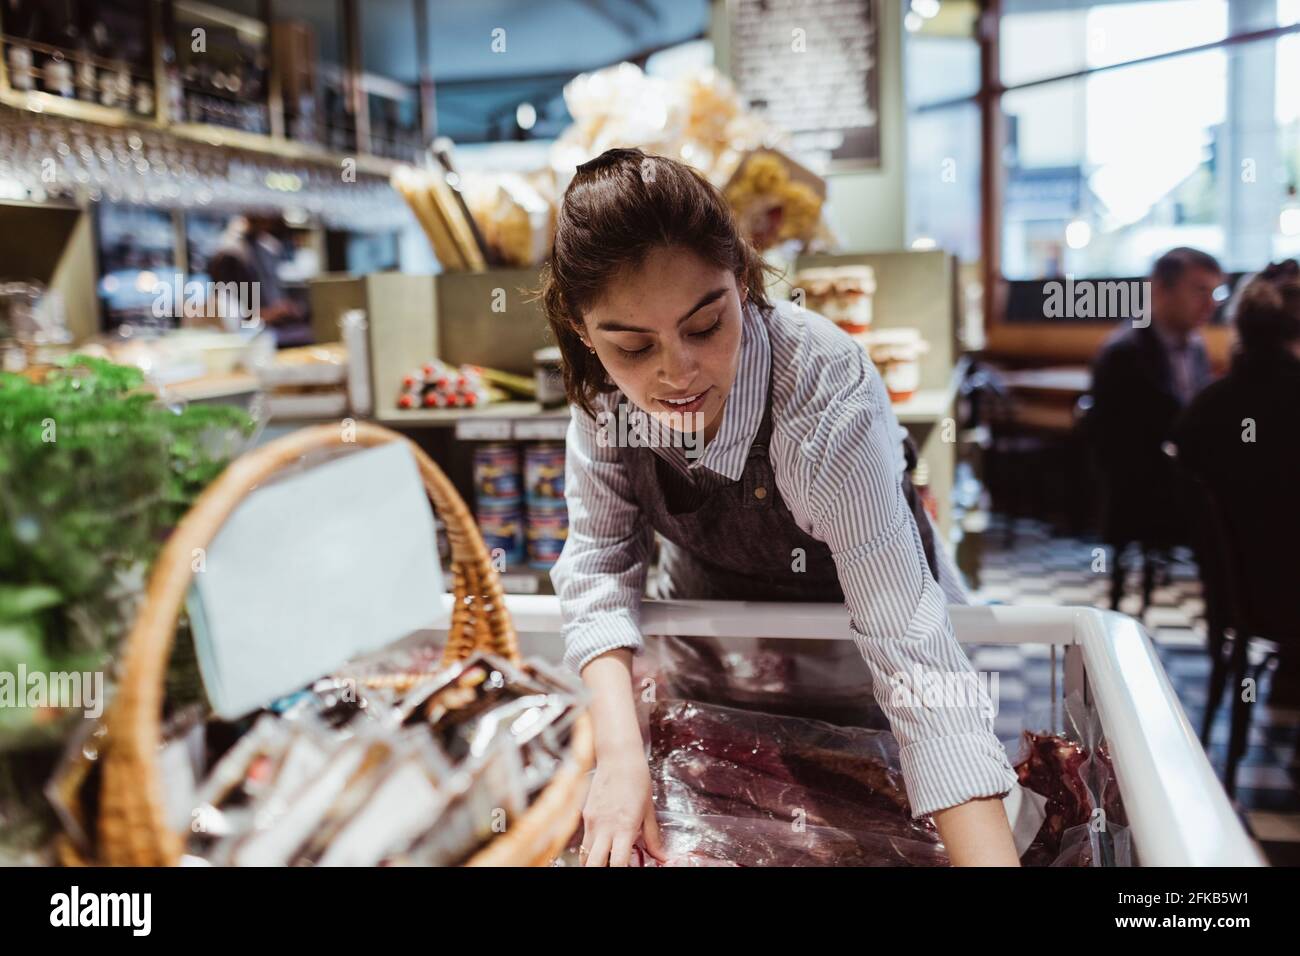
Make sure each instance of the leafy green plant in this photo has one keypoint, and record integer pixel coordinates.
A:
(94, 473)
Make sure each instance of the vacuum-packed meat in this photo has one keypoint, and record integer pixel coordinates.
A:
(766, 790)
(852, 763)
(750, 841)
(692, 782)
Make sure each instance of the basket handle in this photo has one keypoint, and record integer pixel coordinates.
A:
(132, 820)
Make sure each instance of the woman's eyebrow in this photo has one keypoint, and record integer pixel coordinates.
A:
(706, 299)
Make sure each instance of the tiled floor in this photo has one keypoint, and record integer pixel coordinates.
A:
(1039, 568)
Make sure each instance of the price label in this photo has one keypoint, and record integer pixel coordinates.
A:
(541, 429)
(519, 583)
(491, 429)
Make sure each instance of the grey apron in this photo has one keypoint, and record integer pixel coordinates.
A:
(740, 542)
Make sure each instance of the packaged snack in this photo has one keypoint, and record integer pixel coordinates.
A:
(332, 776)
(334, 700)
(436, 384)
(280, 828)
(461, 704)
(73, 787)
(490, 794)
(384, 813)
(224, 805)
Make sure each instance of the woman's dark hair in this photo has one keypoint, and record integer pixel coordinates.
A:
(1268, 311)
(618, 209)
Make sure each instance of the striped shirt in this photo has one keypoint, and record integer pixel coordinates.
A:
(837, 458)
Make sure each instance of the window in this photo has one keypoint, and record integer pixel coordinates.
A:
(941, 78)
(1047, 38)
(1131, 128)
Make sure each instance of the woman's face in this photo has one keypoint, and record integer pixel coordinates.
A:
(668, 335)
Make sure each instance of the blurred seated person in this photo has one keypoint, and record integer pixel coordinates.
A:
(1144, 375)
(250, 252)
(1242, 437)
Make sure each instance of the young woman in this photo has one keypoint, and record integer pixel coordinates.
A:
(782, 438)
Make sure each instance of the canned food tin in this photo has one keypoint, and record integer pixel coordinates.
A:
(544, 471)
(497, 474)
(548, 528)
(502, 526)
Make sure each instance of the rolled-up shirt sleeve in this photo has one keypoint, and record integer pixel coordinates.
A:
(850, 484)
(600, 575)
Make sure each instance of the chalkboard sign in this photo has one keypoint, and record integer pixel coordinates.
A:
(810, 67)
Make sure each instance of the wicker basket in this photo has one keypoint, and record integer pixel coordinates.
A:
(132, 828)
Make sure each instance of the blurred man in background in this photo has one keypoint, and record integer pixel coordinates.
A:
(250, 252)
(1141, 380)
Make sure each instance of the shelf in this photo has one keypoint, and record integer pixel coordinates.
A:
(527, 580)
(265, 144)
(240, 23)
(503, 421)
(930, 405)
(528, 421)
(49, 205)
(277, 146)
(80, 110)
(927, 405)
(210, 387)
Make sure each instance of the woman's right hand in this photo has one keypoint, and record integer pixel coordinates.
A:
(619, 809)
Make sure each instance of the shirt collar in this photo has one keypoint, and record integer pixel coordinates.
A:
(1171, 341)
(743, 413)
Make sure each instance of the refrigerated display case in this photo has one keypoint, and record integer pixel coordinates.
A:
(1177, 810)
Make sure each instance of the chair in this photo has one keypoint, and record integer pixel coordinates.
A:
(1250, 614)
(1014, 470)
(1152, 555)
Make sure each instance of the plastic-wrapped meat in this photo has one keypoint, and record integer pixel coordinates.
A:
(751, 841)
(857, 765)
(678, 858)
(1053, 767)
(766, 790)
(820, 680)
(1084, 846)
(691, 782)
(1111, 799)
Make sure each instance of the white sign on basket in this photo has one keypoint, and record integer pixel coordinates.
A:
(312, 571)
